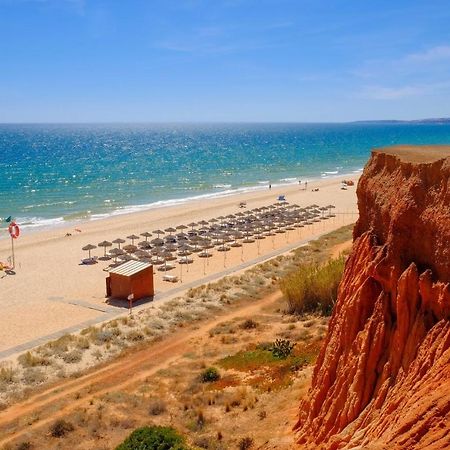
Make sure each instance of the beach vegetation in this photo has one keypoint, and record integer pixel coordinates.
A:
(282, 348)
(8, 375)
(209, 375)
(313, 287)
(72, 357)
(246, 443)
(33, 375)
(25, 445)
(249, 324)
(157, 407)
(30, 359)
(60, 428)
(154, 438)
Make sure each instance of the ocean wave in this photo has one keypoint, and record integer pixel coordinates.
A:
(222, 186)
(34, 222)
(333, 172)
(226, 191)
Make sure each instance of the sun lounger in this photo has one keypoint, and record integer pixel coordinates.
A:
(166, 267)
(281, 198)
(89, 261)
(170, 278)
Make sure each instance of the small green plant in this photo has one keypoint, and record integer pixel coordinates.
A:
(60, 428)
(209, 375)
(153, 438)
(282, 348)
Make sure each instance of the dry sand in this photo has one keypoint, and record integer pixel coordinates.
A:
(51, 292)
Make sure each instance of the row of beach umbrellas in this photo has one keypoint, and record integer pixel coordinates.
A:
(220, 233)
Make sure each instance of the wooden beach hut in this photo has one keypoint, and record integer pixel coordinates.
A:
(131, 278)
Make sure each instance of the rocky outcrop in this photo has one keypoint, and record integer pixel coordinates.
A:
(382, 379)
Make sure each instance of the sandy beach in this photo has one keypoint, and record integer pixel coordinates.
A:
(51, 292)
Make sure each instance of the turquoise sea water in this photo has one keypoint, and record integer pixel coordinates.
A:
(50, 174)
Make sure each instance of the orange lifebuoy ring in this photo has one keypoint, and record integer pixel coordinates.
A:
(14, 230)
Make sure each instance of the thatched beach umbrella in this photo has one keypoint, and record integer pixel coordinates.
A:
(146, 234)
(145, 245)
(118, 241)
(158, 232)
(115, 252)
(88, 248)
(158, 242)
(133, 237)
(130, 248)
(105, 244)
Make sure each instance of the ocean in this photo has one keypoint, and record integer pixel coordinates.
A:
(53, 174)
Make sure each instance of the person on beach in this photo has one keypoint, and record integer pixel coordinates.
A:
(270, 186)
(306, 185)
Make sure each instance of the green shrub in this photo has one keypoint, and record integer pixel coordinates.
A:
(312, 287)
(210, 374)
(282, 348)
(153, 438)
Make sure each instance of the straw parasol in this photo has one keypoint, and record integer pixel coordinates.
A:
(118, 241)
(88, 248)
(144, 245)
(105, 244)
(158, 232)
(130, 248)
(158, 242)
(146, 234)
(133, 237)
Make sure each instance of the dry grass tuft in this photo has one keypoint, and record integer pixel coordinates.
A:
(313, 287)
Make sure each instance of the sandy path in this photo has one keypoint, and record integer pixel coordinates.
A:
(62, 398)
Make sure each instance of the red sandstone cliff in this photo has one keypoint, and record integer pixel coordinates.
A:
(382, 379)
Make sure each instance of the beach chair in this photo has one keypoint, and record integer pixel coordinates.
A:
(281, 198)
(170, 278)
(89, 261)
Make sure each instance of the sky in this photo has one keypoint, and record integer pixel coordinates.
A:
(223, 60)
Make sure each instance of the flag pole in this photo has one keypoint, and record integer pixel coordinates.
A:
(12, 250)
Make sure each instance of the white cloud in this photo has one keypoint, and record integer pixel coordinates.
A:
(433, 54)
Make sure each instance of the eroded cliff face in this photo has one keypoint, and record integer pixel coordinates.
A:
(382, 379)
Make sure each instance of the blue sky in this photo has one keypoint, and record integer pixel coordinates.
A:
(223, 60)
